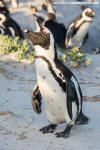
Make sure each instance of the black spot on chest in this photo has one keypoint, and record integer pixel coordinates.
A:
(59, 80)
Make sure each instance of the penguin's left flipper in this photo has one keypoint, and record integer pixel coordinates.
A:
(36, 99)
(72, 32)
(71, 98)
(85, 39)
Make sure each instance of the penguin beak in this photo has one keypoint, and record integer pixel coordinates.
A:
(38, 23)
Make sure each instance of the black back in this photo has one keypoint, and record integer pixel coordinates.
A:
(59, 32)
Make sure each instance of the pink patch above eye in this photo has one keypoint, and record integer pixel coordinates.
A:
(44, 30)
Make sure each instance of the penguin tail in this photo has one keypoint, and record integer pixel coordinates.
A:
(82, 119)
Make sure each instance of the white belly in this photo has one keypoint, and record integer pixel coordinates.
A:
(77, 40)
(53, 96)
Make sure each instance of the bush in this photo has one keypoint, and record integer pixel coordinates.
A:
(24, 48)
(74, 58)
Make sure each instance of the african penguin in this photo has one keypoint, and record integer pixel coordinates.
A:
(77, 32)
(3, 7)
(58, 29)
(11, 26)
(58, 86)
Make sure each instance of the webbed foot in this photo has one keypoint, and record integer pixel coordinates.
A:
(48, 129)
(65, 133)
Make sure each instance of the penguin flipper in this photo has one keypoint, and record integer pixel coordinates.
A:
(72, 101)
(71, 32)
(36, 99)
(85, 39)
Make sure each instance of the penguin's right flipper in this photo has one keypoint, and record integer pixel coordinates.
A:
(72, 32)
(72, 100)
(36, 99)
(85, 39)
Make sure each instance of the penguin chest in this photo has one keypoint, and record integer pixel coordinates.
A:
(53, 96)
(78, 38)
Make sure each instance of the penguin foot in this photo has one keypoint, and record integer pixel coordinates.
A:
(65, 133)
(62, 134)
(48, 129)
(82, 119)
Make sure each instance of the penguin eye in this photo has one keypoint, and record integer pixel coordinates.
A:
(45, 31)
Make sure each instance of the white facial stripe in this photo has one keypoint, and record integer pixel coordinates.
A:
(86, 17)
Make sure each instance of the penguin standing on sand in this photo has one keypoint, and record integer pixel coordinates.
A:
(57, 84)
(77, 32)
(10, 26)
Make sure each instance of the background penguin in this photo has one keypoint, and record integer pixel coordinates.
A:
(57, 84)
(11, 27)
(3, 7)
(58, 29)
(77, 32)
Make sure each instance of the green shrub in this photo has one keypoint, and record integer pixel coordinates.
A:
(74, 58)
(24, 48)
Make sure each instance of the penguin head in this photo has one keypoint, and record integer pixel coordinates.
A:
(88, 14)
(43, 36)
(2, 17)
(42, 39)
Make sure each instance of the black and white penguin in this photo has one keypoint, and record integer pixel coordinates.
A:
(3, 7)
(58, 29)
(77, 32)
(11, 26)
(58, 86)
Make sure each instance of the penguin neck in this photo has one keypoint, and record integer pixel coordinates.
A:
(49, 54)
